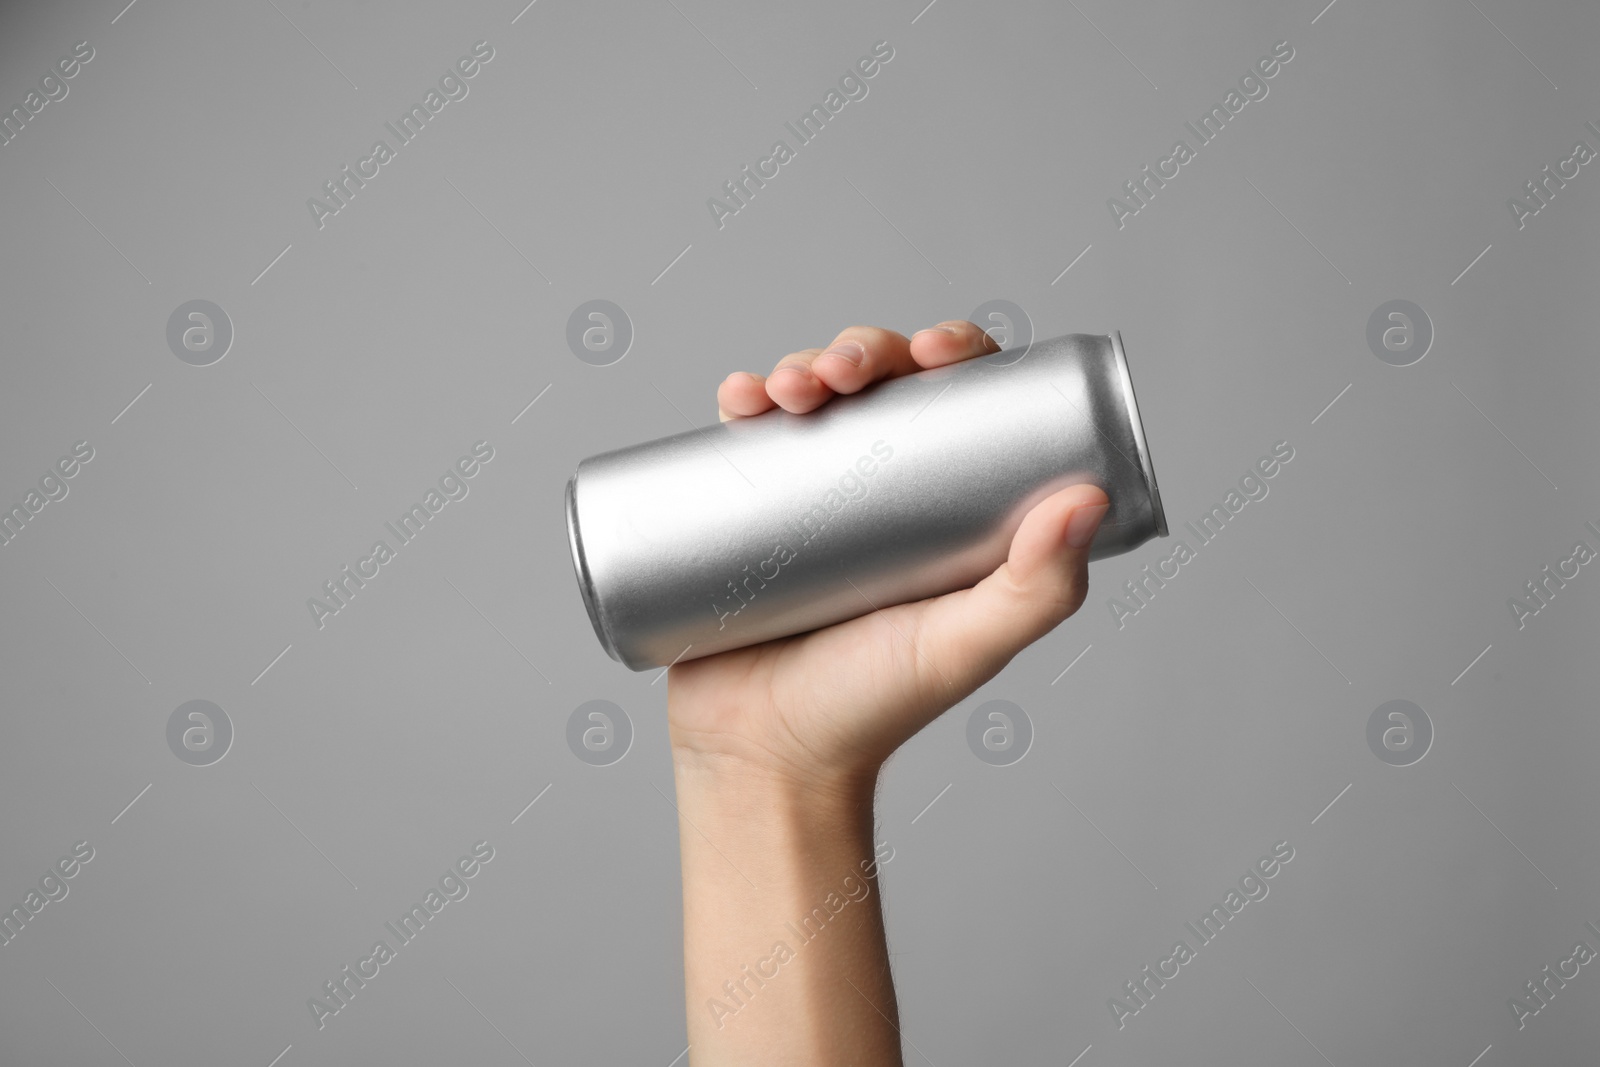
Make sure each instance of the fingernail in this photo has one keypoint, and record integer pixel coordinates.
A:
(939, 329)
(793, 368)
(850, 351)
(1083, 524)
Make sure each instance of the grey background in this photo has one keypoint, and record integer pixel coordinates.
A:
(430, 712)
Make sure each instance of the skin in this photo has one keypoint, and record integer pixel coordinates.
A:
(777, 748)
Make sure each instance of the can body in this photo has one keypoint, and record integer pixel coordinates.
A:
(774, 525)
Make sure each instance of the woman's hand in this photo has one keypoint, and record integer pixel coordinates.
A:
(829, 706)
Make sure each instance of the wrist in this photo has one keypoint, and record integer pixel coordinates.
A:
(722, 782)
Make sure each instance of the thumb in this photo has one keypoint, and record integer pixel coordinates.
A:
(975, 632)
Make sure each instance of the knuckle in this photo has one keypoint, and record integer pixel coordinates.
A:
(1065, 600)
(872, 338)
(802, 358)
(1054, 599)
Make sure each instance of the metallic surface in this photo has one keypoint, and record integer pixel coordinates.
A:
(764, 527)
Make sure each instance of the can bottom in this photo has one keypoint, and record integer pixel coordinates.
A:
(580, 565)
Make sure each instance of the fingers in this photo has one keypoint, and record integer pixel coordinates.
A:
(742, 394)
(861, 355)
(792, 385)
(854, 360)
(970, 635)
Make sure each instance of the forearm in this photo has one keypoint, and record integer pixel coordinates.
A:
(784, 953)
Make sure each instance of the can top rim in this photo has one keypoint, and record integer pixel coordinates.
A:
(1145, 463)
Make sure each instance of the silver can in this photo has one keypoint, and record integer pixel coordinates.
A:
(778, 524)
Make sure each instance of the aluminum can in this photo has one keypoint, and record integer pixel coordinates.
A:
(777, 524)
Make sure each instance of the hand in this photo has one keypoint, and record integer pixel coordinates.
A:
(828, 707)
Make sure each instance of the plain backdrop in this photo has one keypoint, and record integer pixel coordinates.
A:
(1168, 754)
